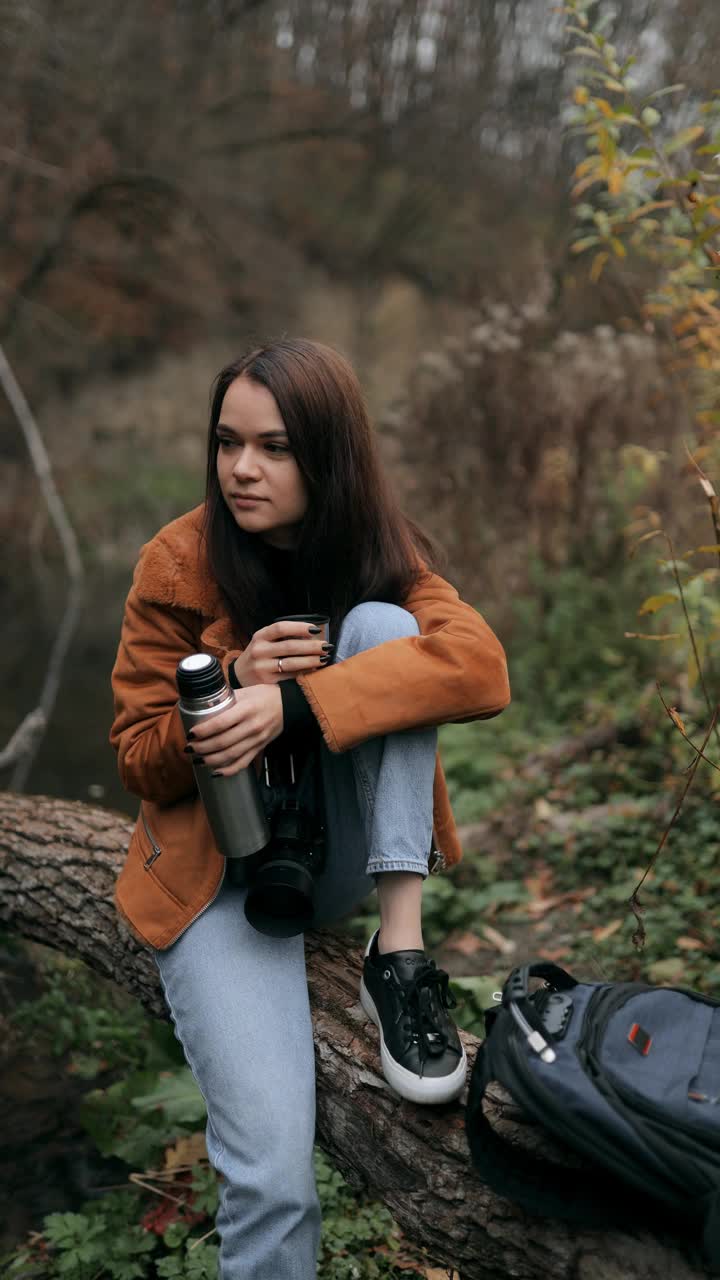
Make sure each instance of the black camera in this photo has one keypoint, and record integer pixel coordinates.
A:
(281, 877)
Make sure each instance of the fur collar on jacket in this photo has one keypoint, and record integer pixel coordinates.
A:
(173, 568)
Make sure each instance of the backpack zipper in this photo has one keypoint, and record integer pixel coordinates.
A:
(155, 846)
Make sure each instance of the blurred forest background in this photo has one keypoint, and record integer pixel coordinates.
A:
(182, 178)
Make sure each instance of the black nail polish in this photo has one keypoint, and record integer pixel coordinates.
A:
(314, 631)
(188, 750)
(328, 647)
(218, 774)
(324, 660)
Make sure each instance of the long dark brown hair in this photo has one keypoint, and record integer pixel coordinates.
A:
(354, 543)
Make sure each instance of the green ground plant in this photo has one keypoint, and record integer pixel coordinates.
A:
(143, 1108)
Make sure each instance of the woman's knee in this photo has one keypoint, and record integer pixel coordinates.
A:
(372, 623)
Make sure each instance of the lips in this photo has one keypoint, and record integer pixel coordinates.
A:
(247, 497)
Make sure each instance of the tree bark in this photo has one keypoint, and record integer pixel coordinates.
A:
(58, 862)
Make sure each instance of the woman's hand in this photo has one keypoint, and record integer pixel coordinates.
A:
(229, 742)
(293, 642)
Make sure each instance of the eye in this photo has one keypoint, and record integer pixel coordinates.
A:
(277, 448)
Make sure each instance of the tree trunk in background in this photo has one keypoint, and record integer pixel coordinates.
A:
(58, 862)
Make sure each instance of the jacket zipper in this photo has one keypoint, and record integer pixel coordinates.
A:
(156, 854)
(209, 903)
(155, 846)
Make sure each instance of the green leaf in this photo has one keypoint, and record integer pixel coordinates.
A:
(171, 1266)
(175, 1234)
(178, 1096)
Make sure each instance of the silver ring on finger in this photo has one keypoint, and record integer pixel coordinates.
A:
(279, 662)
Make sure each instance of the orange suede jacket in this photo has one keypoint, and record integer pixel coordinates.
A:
(454, 671)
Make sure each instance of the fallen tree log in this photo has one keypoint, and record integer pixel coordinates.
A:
(58, 862)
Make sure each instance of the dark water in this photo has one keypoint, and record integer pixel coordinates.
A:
(48, 1163)
(75, 760)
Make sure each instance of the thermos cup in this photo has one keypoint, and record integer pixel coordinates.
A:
(233, 805)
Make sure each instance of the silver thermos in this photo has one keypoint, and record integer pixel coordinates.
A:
(233, 805)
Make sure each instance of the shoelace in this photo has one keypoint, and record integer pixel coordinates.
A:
(420, 999)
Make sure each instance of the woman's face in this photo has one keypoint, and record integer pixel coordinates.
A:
(254, 462)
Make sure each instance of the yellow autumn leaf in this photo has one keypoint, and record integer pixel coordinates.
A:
(597, 265)
(689, 944)
(683, 138)
(581, 95)
(604, 106)
(586, 166)
(676, 719)
(615, 180)
(189, 1150)
(653, 604)
(606, 930)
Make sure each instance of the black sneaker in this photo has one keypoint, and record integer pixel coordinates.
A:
(407, 998)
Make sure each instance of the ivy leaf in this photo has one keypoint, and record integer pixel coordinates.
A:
(171, 1266)
(175, 1233)
(178, 1096)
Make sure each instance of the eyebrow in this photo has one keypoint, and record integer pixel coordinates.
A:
(264, 435)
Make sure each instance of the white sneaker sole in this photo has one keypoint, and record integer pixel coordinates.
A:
(431, 1090)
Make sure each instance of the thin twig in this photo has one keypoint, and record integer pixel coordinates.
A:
(638, 937)
(672, 713)
(139, 1181)
(711, 496)
(701, 677)
(200, 1239)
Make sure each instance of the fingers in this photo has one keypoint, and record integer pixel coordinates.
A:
(295, 665)
(242, 742)
(230, 740)
(286, 631)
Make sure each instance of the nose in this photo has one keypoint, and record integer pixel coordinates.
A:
(246, 464)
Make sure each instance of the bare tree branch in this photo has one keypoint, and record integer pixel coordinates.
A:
(31, 740)
(58, 863)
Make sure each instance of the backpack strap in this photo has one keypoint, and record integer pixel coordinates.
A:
(711, 1228)
(517, 983)
(515, 998)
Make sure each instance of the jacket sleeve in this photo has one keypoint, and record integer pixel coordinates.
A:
(147, 731)
(453, 672)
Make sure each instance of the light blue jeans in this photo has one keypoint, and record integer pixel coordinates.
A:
(239, 999)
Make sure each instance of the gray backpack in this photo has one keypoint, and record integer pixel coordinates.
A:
(629, 1075)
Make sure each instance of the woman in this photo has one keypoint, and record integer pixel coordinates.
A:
(297, 517)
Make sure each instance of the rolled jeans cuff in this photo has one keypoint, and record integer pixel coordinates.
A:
(376, 867)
